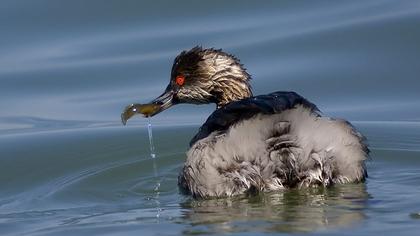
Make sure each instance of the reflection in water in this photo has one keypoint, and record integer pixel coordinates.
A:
(302, 210)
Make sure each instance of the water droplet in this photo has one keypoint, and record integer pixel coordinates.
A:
(152, 146)
(156, 189)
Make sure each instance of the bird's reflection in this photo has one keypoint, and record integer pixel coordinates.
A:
(301, 210)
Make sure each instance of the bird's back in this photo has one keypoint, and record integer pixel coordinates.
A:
(274, 103)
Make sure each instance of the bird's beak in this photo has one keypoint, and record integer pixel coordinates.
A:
(156, 106)
(163, 102)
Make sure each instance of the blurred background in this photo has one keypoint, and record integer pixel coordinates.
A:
(64, 63)
(68, 68)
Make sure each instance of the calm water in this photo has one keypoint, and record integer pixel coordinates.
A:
(67, 69)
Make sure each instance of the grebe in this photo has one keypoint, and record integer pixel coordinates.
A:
(254, 143)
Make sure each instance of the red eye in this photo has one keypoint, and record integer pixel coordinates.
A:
(180, 80)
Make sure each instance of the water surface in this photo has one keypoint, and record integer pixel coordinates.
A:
(67, 69)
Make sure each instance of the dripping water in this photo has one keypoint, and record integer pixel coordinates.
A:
(157, 190)
(149, 130)
(155, 169)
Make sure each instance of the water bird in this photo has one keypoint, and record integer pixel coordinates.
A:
(252, 144)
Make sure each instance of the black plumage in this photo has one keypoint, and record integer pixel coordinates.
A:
(223, 118)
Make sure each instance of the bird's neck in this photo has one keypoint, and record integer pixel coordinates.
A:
(230, 82)
(232, 91)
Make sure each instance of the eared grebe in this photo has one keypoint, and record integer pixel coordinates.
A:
(254, 143)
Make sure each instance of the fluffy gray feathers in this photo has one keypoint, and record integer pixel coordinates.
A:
(295, 148)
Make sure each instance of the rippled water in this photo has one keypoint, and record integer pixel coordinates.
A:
(67, 69)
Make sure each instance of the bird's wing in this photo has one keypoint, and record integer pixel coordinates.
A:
(273, 103)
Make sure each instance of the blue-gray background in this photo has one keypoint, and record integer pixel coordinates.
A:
(86, 60)
(68, 68)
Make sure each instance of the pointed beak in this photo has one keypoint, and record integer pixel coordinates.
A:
(163, 102)
(156, 106)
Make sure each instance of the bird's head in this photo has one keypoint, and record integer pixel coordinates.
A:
(201, 76)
